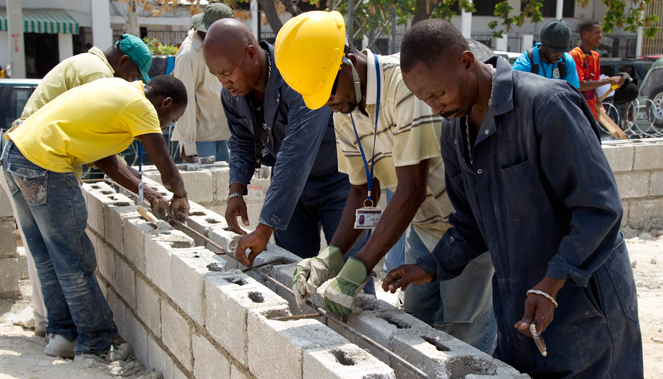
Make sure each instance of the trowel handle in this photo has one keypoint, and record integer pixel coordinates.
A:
(148, 216)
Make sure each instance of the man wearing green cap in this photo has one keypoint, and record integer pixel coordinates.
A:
(203, 130)
(129, 59)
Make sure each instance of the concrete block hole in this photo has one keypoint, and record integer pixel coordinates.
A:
(400, 324)
(122, 204)
(460, 367)
(107, 193)
(212, 221)
(435, 341)
(236, 280)
(257, 297)
(215, 267)
(180, 245)
(94, 187)
(197, 213)
(343, 357)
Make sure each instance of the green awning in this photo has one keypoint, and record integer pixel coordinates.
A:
(50, 21)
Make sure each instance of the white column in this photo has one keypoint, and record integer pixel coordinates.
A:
(559, 10)
(638, 43)
(466, 23)
(255, 18)
(500, 44)
(15, 29)
(527, 42)
(102, 33)
(133, 27)
(66, 45)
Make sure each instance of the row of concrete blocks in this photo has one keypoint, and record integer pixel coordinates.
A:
(188, 315)
(9, 260)
(197, 299)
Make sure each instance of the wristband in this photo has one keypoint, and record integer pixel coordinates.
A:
(236, 194)
(537, 292)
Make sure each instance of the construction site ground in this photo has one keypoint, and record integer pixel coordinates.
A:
(21, 352)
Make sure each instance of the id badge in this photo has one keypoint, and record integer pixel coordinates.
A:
(140, 193)
(367, 218)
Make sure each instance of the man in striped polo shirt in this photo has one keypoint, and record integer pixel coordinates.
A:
(400, 135)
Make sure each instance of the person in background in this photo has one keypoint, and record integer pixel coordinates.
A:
(203, 129)
(550, 57)
(588, 64)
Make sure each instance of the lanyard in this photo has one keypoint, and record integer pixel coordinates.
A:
(369, 175)
(140, 172)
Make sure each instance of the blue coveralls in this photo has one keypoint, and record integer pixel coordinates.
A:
(542, 199)
(306, 191)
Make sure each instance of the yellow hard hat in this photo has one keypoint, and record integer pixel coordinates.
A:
(308, 53)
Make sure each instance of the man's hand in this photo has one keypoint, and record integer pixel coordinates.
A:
(157, 202)
(312, 272)
(188, 158)
(236, 208)
(341, 292)
(539, 309)
(179, 206)
(403, 276)
(256, 241)
(618, 80)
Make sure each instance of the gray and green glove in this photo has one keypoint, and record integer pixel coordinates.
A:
(312, 272)
(341, 292)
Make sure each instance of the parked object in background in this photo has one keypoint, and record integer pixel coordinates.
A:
(14, 93)
(636, 68)
(651, 94)
(508, 55)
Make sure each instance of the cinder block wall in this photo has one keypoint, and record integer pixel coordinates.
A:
(638, 169)
(189, 312)
(9, 269)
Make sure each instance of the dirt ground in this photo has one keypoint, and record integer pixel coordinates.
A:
(22, 357)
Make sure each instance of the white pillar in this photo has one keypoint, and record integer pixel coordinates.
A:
(66, 45)
(500, 44)
(638, 43)
(255, 18)
(466, 23)
(526, 42)
(15, 29)
(559, 10)
(102, 34)
(133, 27)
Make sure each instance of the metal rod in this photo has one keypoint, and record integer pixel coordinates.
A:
(272, 262)
(297, 317)
(321, 312)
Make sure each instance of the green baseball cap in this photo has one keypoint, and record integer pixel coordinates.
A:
(213, 12)
(138, 52)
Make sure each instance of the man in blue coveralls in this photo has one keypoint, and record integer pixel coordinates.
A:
(550, 57)
(270, 124)
(530, 183)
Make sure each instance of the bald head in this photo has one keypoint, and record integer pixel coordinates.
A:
(234, 56)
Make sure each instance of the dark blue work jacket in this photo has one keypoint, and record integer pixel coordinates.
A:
(301, 140)
(542, 199)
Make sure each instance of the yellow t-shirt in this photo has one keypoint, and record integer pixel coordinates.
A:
(85, 124)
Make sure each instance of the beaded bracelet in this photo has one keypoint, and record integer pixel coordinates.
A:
(537, 292)
(236, 194)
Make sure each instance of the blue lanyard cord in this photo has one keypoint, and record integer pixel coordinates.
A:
(140, 160)
(369, 175)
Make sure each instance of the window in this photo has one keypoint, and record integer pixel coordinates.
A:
(633, 73)
(485, 7)
(608, 70)
(549, 8)
(19, 97)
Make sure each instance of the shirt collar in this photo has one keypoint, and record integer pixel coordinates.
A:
(100, 54)
(371, 79)
(503, 88)
(196, 40)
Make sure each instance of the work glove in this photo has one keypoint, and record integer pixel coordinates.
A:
(312, 272)
(341, 292)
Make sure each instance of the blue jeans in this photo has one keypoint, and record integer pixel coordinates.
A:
(396, 255)
(217, 148)
(51, 210)
(319, 207)
(462, 307)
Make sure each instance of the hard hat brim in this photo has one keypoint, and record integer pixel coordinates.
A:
(320, 98)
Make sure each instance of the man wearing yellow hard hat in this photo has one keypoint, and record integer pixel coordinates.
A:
(399, 148)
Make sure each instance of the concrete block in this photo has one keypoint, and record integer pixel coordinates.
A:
(22, 264)
(125, 282)
(209, 363)
(620, 157)
(105, 259)
(113, 214)
(178, 374)
(656, 184)
(148, 306)
(199, 186)
(136, 335)
(633, 184)
(5, 205)
(643, 210)
(221, 183)
(343, 362)
(158, 360)
(134, 230)
(441, 356)
(229, 296)
(9, 287)
(176, 335)
(95, 198)
(187, 267)
(119, 312)
(7, 238)
(158, 251)
(625, 207)
(293, 338)
(237, 373)
(224, 238)
(648, 156)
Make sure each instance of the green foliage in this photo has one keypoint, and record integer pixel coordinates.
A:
(157, 48)
(503, 11)
(630, 19)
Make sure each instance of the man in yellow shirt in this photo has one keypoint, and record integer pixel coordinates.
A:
(129, 59)
(90, 123)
